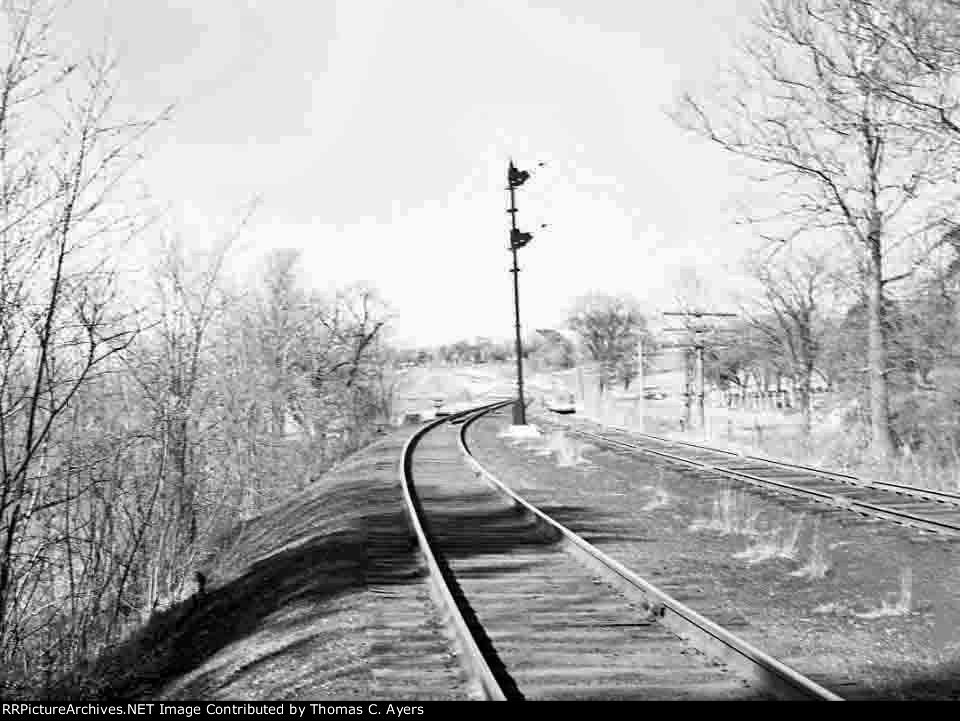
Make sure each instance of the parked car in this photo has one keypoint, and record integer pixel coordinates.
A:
(562, 403)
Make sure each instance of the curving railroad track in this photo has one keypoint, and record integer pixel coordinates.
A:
(539, 613)
(920, 508)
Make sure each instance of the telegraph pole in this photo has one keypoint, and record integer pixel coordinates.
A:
(516, 178)
(642, 379)
(700, 389)
(696, 382)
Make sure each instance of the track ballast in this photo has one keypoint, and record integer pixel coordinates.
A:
(541, 614)
(924, 509)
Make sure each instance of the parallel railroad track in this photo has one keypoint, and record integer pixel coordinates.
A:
(920, 508)
(539, 613)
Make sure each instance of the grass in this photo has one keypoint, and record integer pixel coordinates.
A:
(789, 546)
(567, 451)
(660, 496)
(818, 563)
(899, 603)
(734, 512)
(903, 603)
(780, 540)
(731, 512)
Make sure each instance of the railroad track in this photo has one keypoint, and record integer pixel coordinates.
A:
(920, 508)
(539, 613)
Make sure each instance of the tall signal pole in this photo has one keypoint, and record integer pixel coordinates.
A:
(516, 178)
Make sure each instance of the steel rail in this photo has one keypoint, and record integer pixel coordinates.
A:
(868, 509)
(442, 583)
(779, 678)
(901, 488)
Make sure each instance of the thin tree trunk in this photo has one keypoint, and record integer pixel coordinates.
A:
(882, 441)
(806, 399)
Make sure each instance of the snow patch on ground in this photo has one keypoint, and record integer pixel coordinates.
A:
(526, 432)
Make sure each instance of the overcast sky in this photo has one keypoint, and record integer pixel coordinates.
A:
(377, 133)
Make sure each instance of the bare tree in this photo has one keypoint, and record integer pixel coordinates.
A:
(353, 321)
(556, 351)
(62, 159)
(609, 328)
(734, 365)
(127, 436)
(845, 159)
(795, 289)
(172, 367)
(922, 52)
(283, 308)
